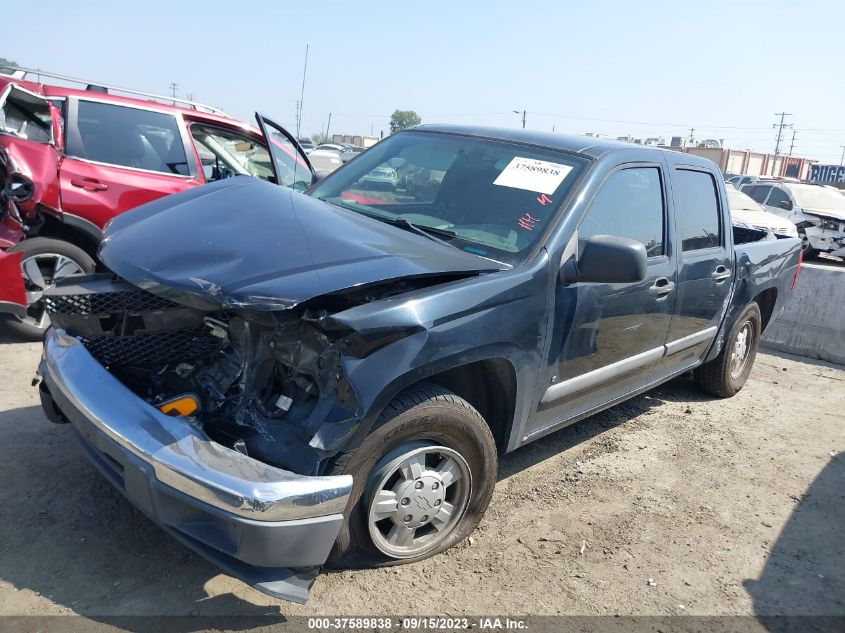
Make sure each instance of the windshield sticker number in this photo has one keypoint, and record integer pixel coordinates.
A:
(532, 175)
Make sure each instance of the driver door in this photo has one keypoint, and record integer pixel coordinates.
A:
(608, 336)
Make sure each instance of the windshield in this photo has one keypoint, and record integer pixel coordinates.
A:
(490, 198)
(819, 198)
(738, 201)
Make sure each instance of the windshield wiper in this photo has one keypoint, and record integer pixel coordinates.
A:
(422, 229)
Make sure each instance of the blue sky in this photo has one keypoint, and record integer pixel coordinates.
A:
(640, 68)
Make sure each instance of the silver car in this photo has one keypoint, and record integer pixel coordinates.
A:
(817, 211)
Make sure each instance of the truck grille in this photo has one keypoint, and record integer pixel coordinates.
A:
(158, 348)
(121, 324)
(135, 300)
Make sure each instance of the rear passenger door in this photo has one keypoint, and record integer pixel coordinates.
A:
(118, 157)
(705, 268)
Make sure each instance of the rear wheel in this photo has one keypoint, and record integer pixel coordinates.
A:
(43, 262)
(726, 374)
(423, 479)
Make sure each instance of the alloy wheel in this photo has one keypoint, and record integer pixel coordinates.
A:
(39, 273)
(418, 494)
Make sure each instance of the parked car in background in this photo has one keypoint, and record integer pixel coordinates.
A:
(324, 160)
(73, 159)
(332, 376)
(350, 151)
(306, 144)
(817, 211)
(382, 175)
(748, 214)
(330, 147)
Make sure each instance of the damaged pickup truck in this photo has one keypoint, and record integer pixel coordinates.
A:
(282, 380)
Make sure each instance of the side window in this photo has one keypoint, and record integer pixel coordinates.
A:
(777, 198)
(224, 153)
(629, 204)
(698, 216)
(128, 137)
(758, 193)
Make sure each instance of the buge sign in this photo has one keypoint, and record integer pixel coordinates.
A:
(827, 173)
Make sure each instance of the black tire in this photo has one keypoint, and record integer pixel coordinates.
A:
(715, 377)
(27, 328)
(425, 412)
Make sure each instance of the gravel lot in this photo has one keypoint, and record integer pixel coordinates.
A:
(728, 506)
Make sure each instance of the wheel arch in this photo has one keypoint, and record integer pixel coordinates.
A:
(71, 229)
(489, 384)
(766, 301)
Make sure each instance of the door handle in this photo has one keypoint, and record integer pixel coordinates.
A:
(721, 273)
(89, 184)
(661, 287)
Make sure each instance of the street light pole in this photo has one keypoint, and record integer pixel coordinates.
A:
(523, 117)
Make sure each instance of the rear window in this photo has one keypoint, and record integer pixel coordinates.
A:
(128, 137)
(698, 218)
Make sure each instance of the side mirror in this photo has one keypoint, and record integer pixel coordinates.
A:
(786, 205)
(607, 259)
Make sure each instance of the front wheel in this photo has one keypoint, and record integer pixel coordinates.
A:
(423, 479)
(43, 262)
(726, 374)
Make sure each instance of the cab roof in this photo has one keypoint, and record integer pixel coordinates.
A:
(586, 145)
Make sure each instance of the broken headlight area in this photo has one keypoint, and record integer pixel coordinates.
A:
(264, 383)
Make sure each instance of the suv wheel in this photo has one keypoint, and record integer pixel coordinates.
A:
(423, 479)
(44, 261)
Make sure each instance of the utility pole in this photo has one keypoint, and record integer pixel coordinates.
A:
(302, 93)
(780, 127)
(328, 125)
(523, 117)
(842, 158)
(173, 87)
(792, 143)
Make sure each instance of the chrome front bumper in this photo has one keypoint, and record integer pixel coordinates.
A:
(253, 520)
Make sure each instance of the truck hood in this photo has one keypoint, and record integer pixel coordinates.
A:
(245, 243)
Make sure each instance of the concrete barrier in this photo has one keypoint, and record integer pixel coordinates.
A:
(813, 321)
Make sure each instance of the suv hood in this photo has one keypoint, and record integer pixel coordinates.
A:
(245, 243)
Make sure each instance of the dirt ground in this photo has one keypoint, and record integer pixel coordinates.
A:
(672, 503)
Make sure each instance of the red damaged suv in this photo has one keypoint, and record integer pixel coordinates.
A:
(72, 159)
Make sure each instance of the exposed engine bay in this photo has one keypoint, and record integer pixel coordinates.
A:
(267, 384)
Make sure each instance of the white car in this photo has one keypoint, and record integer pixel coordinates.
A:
(817, 211)
(383, 174)
(324, 160)
(750, 215)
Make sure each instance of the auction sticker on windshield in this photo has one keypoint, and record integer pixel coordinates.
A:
(533, 175)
